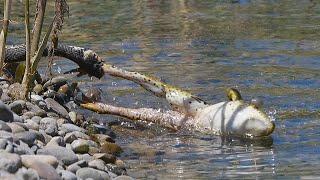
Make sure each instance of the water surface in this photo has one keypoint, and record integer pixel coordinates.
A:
(265, 48)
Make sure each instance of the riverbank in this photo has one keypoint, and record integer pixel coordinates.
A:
(47, 138)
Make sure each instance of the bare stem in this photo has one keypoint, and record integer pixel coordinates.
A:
(38, 23)
(26, 80)
(4, 32)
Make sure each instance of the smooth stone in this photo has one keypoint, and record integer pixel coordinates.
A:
(123, 177)
(39, 136)
(67, 175)
(36, 98)
(36, 109)
(26, 136)
(10, 162)
(70, 137)
(56, 107)
(27, 174)
(31, 124)
(3, 143)
(16, 128)
(107, 158)
(56, 141)
(27, 160)
(44, 170)
(6, 114)
(111, 148)
(6, 135)
(4, 127)
(63, 154)
(97, 164)
(22, 148)
(85, 173)
(80, 146)
(85, 157)
(52, 131)
(73, 168)
(17, 118)
(17, 106)
(71, 127)
(36, 119)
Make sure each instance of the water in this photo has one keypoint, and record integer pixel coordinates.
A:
(267, 49)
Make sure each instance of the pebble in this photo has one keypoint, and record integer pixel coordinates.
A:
(123, 177)
(71, 127)
(36, 119)
(67, 175)
(56, 141)
(6, 114)
(80, 146)
(70, 137)
(36, 98)
(56, 107)
(22, 148)
(115, 169)
(3, 143)
(9, 162)
(15, 127)
(111, 148)
(73, 116)
(6, 135)
(73, 168)
(17, 106)
(27, 160)
(49, 125)
(97, 164)
(85, 173)
(36, 109)
(29, 174)
(31, 124)
(63, 154)
(85, 157)
(101, 138)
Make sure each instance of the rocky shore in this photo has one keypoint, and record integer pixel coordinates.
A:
(46, 138)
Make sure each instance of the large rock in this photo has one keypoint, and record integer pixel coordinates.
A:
(9, 162)
(56, 107)
(44, 170)
(27, 160)
(86, 173)
(6, 114)
(63, 154)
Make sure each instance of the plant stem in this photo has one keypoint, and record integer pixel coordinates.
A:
(4, 32)
(25, 81)
(38, 23)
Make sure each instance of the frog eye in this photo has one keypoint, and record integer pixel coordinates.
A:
(233, 94)
(256, 103)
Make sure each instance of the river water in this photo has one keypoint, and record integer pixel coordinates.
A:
(265, 48)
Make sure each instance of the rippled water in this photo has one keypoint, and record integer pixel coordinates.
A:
(265, 48)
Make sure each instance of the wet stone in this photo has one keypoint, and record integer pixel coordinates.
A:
(6, 114)
(85, 173)
(63, 154)
(9, 162)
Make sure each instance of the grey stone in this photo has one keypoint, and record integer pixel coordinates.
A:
(5, 97)
(17, 118)
(36, 119)
(61, 121)
(36, 98)
(80, 135)
(56, 141)
(3, 143)
(73, 168)
(73, 116)
(67, 175)
(17, 106)
(4, 127)
(44, 170)
(71, 127)
(6, 114)
(31, 124)
(36, 109)
(85, 157)
(6, 135)
(27, 160)
(28, 115)
(49, 125)
(93, 144)
(82, 163)
(26, 136)
(85, 173)
(80, 146)
(22, 148)
(97, 164)
(39, 136)
(28, 174)
(15, 128)
(10, 162)
(56, 107)
(115, 169)
(70, 137)
(9, 147)
(63, 154)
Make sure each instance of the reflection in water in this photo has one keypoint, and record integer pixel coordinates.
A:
(265, 48)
